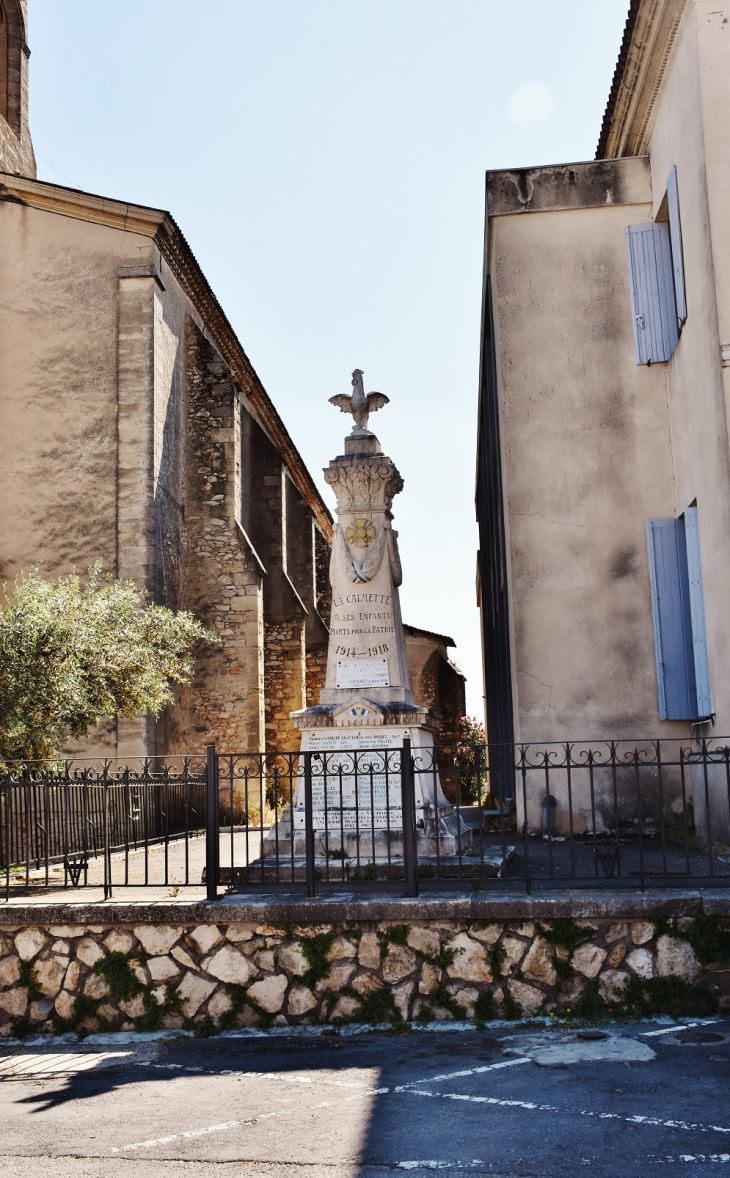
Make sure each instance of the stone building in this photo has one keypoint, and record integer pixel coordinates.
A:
(135, 431)
(436, 681)
(604, 459)
(16, 147)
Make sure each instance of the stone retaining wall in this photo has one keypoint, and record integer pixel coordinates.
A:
(150, 976)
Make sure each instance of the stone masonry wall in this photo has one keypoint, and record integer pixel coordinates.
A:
(284, 682)
(150, 976)
(223, 579)
(316, 673)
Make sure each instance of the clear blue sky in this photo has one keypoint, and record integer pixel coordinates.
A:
(325, 160)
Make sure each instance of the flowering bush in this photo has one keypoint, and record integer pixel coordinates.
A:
(471, 761)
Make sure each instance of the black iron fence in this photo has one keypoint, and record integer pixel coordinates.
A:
(91, 823)
(634, 813)
(529, 816)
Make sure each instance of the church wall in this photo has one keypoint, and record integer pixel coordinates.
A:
(58, 392)
(126, 439)
(169, 442)
(282, 530)
(435, 682)
(316, 660)
(151, 460)
(285, 679)
(451, 687)
(71, 338)
(223, 576)
(16, 147)
(93, 405)
(135, 444)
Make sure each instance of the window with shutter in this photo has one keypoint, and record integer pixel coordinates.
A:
(672, 619)
(653, 302)
(679, 617)
(675, 239)
(697, 611)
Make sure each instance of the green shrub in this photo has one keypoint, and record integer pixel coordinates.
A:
(511, 1009)
(485, 1008)
(315, 950)
(709, 939)
(645, 997)
(117, 972)
(70, 655)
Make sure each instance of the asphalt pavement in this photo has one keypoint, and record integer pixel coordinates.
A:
(634, 1102)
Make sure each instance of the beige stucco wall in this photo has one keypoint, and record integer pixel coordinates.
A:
(58, 389)
(101, 445)
(587, 460)
(90, 373)
(690, 131)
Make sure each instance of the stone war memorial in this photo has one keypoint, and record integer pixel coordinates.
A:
(366, 712)
(251, 862)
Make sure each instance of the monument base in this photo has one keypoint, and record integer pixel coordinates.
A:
(491, 864)
(356, 785)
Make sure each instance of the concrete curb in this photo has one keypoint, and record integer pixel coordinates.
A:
(120, 1038)
(617, 904)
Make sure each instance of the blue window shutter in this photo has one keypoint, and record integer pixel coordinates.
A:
(675, 236)
(672, 619)
(653, 303)
(697, 611)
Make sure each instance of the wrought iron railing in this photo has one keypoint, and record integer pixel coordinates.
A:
(636, 813)
(633, 813)
(529, 816)
(93, 822)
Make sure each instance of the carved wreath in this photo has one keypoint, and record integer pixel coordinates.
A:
(362, 571)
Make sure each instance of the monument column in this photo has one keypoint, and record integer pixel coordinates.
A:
(367, 703)
(367, 647)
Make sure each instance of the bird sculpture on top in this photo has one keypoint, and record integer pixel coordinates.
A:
(360, 404)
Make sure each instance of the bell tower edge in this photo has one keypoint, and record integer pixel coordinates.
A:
(16, 146)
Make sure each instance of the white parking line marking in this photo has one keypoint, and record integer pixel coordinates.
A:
(177, 1136)
(492, 1067)
(431, 1165)
(635, 1120)
(363, 1090)
(722, 1158)
(317, 1080)
(706, 1022)
(277, 1076)
(549, 1108)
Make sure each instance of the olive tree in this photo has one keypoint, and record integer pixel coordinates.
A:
(73, 653)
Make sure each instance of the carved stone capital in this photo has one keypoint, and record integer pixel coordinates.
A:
(361, 482)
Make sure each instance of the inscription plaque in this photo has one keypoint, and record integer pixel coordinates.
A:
(358, 790)
(362, 673)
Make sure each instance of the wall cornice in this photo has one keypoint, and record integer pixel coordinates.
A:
(650, 40)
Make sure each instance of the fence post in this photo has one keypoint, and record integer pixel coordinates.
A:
(308, 825)
(408, 804)
(8, 832)
(107, 845)
(211, 825)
